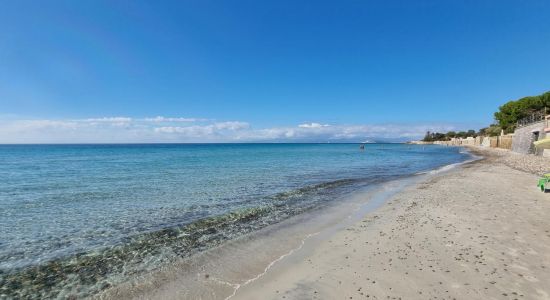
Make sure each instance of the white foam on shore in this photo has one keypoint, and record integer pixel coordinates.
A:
(449, 167)
(474, 157)
(445, 168)
(237, 286)
(375, 199)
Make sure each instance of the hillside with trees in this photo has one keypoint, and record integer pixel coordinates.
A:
(436, 136)
(513, 111)
(506, 118)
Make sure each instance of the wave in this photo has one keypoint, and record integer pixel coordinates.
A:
(444, 168)
(449, 167)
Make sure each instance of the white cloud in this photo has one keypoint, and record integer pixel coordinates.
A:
(223, 131)
(162, 129)
(109, 119)
(234, 125)
(25, 125)
(160, 119)
(313, 125)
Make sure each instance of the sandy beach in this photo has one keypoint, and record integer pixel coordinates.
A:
(480, 231)
(223, 150)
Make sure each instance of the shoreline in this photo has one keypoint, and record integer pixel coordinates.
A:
(479, 231)
(221, 273)
(149, 263)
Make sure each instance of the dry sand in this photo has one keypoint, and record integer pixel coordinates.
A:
(481, 231)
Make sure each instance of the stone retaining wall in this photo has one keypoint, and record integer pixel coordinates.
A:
(525, 136)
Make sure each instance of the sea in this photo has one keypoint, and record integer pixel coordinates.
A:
(76, 220)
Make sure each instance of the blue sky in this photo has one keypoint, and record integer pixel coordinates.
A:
(347, 70)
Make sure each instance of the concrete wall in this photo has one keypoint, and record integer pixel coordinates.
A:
(504, 142)
(521, 141)
(524, 138)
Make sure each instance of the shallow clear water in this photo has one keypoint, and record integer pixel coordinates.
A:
(76, 219)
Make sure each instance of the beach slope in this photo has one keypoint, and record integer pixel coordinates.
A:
(481, 231)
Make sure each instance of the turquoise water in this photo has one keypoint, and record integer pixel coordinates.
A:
(76, 219)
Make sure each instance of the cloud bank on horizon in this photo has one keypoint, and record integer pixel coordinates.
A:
(198, 130)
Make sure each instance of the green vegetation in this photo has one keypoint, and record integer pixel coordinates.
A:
(506, 117)
(493, 130)
(436, 136)
(513, 111)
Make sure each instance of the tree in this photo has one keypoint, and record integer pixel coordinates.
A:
(493, 130)
(461, 134)
(434, 136)
(438, 136)
(450, 134)
(513, 111)
(428, 137)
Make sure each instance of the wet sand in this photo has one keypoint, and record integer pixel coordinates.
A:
(481, 231)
